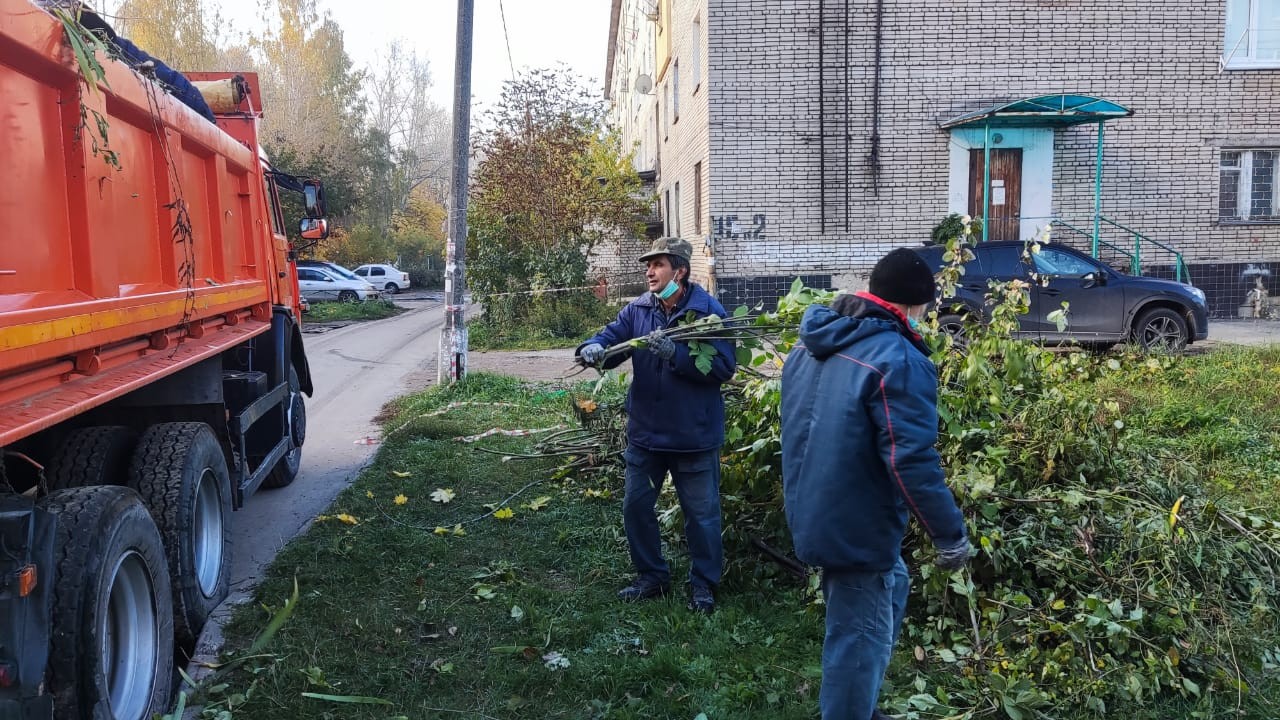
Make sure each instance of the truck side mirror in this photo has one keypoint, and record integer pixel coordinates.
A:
(313, 198)
(313, 228)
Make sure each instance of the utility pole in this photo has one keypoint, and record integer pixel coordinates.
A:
(453, 337)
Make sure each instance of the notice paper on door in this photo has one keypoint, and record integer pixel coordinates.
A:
(997, 192)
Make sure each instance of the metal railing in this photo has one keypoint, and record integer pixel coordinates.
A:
(1127, 255)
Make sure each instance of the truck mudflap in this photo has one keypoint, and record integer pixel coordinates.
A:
(26, 534)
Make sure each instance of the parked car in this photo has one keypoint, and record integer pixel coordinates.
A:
(387, 277)
(320, 284)
(1105, 306)
(331, 267)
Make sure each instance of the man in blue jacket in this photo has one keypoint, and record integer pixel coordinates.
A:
(675, 424)
(859, 424)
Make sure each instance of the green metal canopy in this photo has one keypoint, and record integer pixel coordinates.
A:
(1042, 111)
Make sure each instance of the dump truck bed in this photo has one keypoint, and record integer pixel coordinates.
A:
(113, 274)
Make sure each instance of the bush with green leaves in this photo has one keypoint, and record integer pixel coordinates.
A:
(1109, 571)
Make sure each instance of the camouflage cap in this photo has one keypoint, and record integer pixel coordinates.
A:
(669, 246)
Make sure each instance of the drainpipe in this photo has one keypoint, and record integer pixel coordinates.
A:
(875, 100)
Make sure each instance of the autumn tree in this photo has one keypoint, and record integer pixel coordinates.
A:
(185, 34)
(550, 185)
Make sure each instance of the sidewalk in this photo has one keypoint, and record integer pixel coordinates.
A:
(1244, 332)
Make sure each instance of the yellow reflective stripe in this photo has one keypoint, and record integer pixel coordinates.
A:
(26, 335)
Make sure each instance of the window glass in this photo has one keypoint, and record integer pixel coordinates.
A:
(1229, 186)
(377, 271)
(304, 274)
(1262, 185)
(362, 271)
(1002, 262)
(1050, 261)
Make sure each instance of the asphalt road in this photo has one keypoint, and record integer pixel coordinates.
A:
(356, 370)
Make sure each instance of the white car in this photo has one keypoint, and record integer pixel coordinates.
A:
(318, 285)
(384, 276)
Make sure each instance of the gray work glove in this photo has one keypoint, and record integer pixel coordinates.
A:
(592, 354)
(660, 345)
(954, 557)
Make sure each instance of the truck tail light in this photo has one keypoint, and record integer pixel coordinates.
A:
(26, 581)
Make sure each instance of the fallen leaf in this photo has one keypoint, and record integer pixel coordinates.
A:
(443, 495)
(401, 499)
(401, 474)
(504, 514)
(348, 519)
(458, 531)
(538, 503)
(484, 592)
(441, 530)
(369, 494)
(517, 613)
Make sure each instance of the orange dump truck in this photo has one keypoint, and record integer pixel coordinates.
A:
(151, 366)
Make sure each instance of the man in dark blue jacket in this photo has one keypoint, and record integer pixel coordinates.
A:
(675, 424)
(859, 424)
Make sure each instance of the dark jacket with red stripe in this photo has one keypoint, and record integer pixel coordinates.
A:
(859, 424)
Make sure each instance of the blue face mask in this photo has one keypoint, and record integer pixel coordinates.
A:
(914, 323)
(671, 289)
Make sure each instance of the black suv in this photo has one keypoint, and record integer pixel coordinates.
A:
(1105, 306)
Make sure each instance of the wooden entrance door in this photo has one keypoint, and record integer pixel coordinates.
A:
(1006, 191)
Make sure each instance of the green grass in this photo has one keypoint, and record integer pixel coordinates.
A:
(390, 610)
(359, 311)
(547, 327)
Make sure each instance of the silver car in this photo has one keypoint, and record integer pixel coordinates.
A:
(319, 285)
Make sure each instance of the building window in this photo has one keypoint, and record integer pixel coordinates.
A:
(1252, 38)
(697, 53)
(666, 214)
(1248, 190)
(697, 198)
(675, 211)
(675, 91)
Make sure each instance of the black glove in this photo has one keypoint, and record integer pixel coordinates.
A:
(592, 354)
(660, 345)
(954, 557)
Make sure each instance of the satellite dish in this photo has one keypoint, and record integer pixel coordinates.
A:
(644, 84)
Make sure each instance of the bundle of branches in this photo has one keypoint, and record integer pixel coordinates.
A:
(746, 330)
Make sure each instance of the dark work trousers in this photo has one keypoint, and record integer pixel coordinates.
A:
(697, 479)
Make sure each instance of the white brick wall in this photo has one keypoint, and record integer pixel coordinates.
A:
(760, 109)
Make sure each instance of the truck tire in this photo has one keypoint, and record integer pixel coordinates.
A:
(92, 456)
(181, 474)
(286, 471)
(111, 650)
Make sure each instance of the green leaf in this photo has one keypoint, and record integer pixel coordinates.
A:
(742, 355)
(356, 699)
(703, 363)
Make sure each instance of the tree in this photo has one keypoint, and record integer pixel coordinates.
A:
(550, 185)
(184, 34)
(413, 132)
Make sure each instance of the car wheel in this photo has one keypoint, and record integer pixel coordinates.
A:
(392, 288)
(953, 325)
(348, 296)
(1160, 329)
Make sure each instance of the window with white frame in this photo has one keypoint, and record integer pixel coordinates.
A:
(697, 53)
(1252, 37)
(1248, 189)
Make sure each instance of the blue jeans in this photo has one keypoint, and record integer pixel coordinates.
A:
(697, 480)
(864, 615)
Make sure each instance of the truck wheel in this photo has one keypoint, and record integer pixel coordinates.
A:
(181, 474)
(92, 456)
(286, 471)
(111, 650)
(1160, 329)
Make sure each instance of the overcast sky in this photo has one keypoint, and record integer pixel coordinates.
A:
(542, 34)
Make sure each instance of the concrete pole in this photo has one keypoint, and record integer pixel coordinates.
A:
(453, 336)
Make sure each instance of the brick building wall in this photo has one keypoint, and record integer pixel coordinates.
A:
(791, 188)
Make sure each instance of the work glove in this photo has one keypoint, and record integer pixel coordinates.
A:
(660, 345)
(591, 354)
(954, 557)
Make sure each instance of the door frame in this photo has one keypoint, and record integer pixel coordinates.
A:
(1037, 172)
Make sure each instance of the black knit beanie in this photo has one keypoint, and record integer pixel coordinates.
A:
(903, 277)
